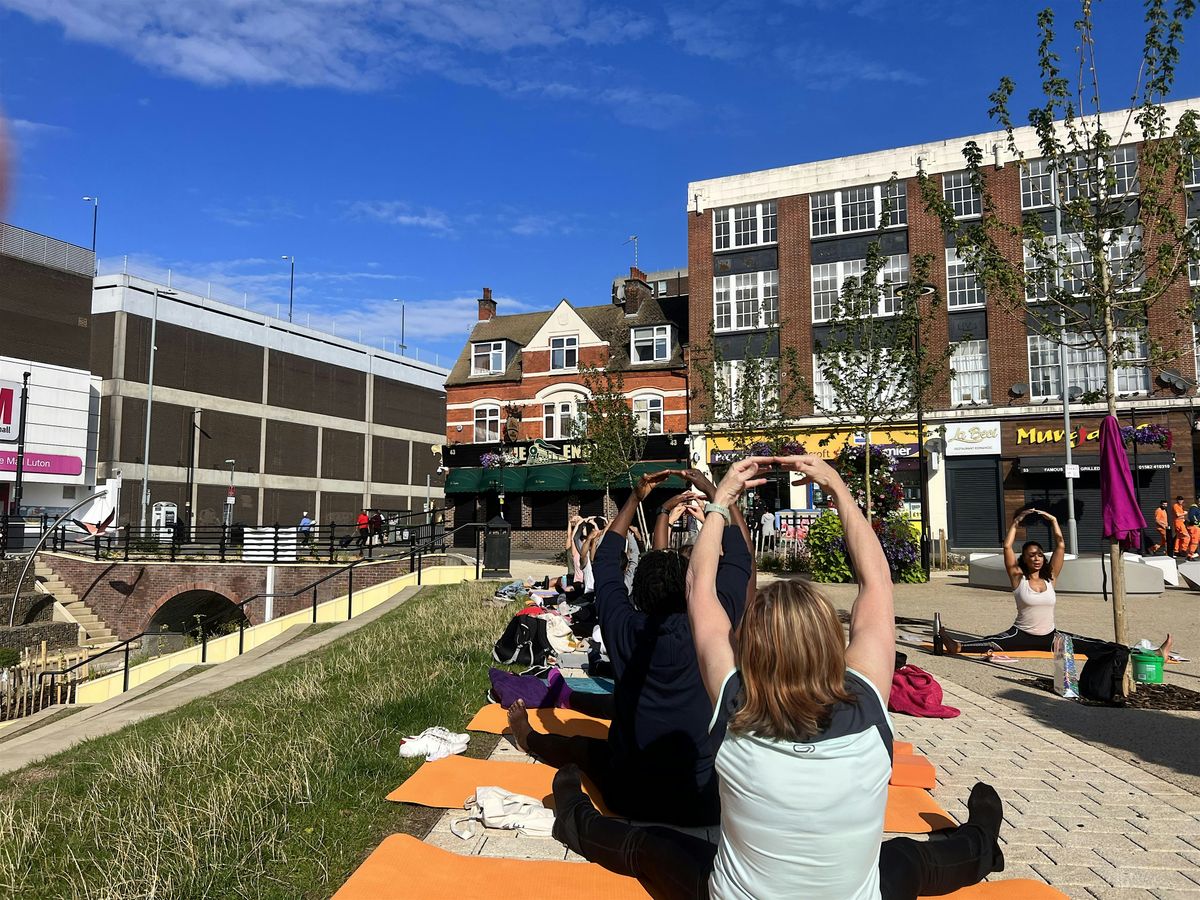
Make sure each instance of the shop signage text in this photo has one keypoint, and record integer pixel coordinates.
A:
(10, 410)
(42, 463)
(978, 439)
(1056, 435)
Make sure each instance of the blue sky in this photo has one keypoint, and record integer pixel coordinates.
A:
(420, 149)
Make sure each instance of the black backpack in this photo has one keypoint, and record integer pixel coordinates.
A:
(524, 643)
(1104, 673)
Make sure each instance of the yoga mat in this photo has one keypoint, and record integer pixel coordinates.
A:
(447, 783)
(909, 770)
(1022, 654)
(590, 685)
(901, 748)
(911, 810)
(493, 719)
(403, 868)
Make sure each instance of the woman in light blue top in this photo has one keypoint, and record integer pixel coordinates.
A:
(804, 743)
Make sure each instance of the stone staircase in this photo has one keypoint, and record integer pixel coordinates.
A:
(98, 634)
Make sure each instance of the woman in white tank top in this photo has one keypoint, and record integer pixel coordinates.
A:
(803, 738)
(1032, 577)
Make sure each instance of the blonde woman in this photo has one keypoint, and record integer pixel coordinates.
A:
(803, 738)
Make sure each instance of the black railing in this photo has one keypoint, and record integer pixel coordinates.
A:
(206, 626)
(258, 544)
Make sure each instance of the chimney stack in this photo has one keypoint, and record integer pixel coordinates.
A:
(637, 291)
(487, 306)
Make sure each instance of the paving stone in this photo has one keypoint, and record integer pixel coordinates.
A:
(1144, 859)
(1167, 842)
(1173, 894)
(1024, 853)
(1073, 856)
(1121, 894)
(1146, 878)
(499, 845)
(1078, 876)
(1096, 840)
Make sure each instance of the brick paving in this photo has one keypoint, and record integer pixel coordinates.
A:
(1076, 817)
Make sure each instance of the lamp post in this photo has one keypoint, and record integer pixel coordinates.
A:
(1068, 394)
(191, 464)
(165, 292)
(917, 292)
(291, 284)
(95, 201)
(401, 347)
(232, 463)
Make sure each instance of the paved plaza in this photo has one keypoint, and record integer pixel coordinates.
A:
(1101, 803)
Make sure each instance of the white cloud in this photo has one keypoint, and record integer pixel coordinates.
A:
(24, 129)
(397, 212)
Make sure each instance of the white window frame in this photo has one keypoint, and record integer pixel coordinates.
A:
(1122, 243)
(1038, 190)
(824, 393)
(731, 374)
(840, 200)
(970, 366)
(1192, 170)
(1085, 367)
(659, 339)
(559, 416)
(959, 191)
(494, 349)
(568, 347)
(486, 413)
(746, 225)
(746, 301)
(893, 274)
(649, 411)
(963, 288)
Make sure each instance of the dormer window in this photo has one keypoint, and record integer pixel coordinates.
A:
(487, 358)
(564, 352)
(651, 344)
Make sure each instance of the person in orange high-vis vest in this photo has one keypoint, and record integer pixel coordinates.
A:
(1179, 523)
(1160, 524)
(1193, 527)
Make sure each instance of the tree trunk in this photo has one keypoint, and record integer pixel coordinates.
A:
(867, 475)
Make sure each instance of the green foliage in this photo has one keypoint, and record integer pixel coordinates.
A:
(9, 657)
(785, 562)
(613, 437)
(827, 559)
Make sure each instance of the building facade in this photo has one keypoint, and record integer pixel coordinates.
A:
(768, 253)
(294, 419)
(519, 387)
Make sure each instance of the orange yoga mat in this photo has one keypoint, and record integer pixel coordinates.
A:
(403, 868)
(447, 783)
(910, 770)
(1025, 654)
(912, 810)
(493, 719)
(901, 748)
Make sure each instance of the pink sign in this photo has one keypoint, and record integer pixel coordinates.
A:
(41, 463)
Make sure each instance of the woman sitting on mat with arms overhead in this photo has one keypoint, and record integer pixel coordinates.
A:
(804, 738)
(1032, 577)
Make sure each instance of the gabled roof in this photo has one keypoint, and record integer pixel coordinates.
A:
(608, 321)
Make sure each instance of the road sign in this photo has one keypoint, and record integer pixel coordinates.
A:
(1071, 471)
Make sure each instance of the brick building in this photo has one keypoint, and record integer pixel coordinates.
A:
(768, 251)
(517, 389)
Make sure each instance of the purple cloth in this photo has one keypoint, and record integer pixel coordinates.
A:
(1123, 520)
(509, 688)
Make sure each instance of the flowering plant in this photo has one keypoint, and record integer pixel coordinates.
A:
(1148, 434)
(491, 460)
(887, 496)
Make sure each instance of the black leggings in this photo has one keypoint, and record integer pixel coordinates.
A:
(1016, 639)
(672, 865)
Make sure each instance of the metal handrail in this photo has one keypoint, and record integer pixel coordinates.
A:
(414, 554)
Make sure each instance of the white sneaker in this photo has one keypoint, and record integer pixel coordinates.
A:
(434, 743)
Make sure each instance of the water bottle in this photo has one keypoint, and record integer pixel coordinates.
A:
(937, 634)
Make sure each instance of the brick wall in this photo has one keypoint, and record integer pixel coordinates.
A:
(126, 595)
(700, 298)
(795, 287)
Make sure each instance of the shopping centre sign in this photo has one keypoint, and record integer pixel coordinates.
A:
(10, 410)
(1081, 435)
(973, 439)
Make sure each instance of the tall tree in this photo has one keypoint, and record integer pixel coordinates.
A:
(1106, 235)
(614, 438)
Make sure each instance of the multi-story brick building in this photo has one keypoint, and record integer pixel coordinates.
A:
(517, 389)
(768, 252)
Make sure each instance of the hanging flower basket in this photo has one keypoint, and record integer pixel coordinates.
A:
(1153, 435)
(491, 460)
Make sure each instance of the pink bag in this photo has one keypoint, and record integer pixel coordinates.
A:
(916, 693)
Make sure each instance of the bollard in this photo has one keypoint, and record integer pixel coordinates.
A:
(937, 634)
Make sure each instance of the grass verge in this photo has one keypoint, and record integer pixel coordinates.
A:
(273, 788)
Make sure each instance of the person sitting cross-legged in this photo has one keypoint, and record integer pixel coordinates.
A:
(805, 743)
(657, 763)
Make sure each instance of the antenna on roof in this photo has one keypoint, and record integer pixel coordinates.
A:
(633, 239)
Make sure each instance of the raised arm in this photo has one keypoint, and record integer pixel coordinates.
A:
(1056, 559)
(1010, 556)
(704, 485)
(624, 518)
(872, 649)
(666, 515)
(712, 630)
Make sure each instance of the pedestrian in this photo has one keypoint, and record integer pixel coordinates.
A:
(1161, 522)
(364, 528)
(376, 523)
(306, 525)
(1179, 523)
(767, 528)
(1193, 527)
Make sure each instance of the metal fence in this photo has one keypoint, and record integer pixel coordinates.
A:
(46, 251)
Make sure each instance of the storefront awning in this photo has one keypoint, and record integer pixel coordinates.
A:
(510, 478)
(1088, 462)
(464, 481)
(549, 478)
(582, 482)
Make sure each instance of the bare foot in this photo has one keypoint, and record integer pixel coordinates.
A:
(518, 722)
(1164, 649)
(950, 645)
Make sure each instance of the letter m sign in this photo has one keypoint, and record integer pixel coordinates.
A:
(10, 411)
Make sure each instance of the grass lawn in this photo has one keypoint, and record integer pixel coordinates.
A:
(272, 788)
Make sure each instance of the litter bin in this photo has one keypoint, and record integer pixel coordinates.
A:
(14, 533)
(497, 549)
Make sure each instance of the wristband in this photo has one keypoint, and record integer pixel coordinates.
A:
(723, 511)
(662, 511)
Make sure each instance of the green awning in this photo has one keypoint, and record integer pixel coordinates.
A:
(512, 478)
(674, 482)
(464, 481)
(582, 482)
(549, 478)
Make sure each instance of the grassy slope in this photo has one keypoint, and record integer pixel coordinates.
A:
(273, 788)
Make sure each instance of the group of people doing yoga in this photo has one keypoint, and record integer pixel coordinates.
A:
(747, 709)
(1032, 575)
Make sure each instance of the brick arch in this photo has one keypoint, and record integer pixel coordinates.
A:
(174, 592)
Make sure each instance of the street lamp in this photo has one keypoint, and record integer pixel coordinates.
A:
(916, 292)
(95, 201)
(291, 284)
(232, 463)
(401, 346)
(165, 292)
